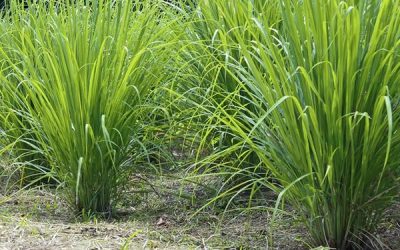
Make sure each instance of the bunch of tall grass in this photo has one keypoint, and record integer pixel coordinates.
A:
(209, 89)
(327, 118)
(86, 72)
(17, 116)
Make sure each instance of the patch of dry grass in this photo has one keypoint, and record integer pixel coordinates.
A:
(38, 218)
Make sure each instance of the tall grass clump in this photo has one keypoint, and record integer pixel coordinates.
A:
(327, 122)
(209, 91)
(87, 72)
(20, 127)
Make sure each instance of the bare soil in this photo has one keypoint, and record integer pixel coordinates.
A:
(39, 219)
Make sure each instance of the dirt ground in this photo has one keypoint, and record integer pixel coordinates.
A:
(39, 219)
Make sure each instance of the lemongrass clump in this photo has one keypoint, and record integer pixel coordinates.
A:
(87, 70)
(211, 92)
(328, 125)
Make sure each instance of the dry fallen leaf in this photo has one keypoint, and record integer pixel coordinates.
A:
(162, 221)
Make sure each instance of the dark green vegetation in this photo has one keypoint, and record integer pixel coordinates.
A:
(296, 97)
